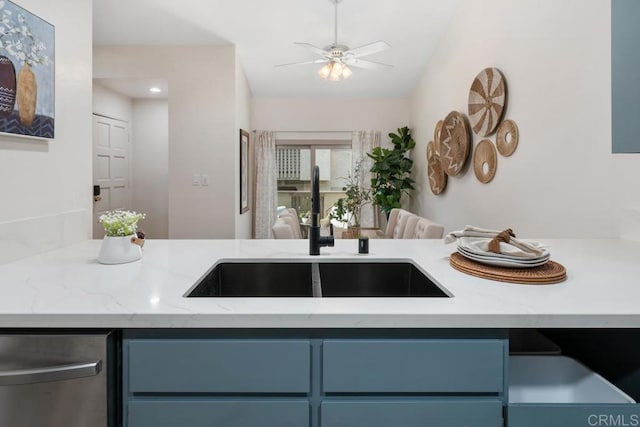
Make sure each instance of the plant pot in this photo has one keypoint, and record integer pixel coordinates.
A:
(27, 94)
(7, 86)
(351, 233)
(119, 250)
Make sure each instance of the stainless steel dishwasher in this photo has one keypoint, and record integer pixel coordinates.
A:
(54, 380)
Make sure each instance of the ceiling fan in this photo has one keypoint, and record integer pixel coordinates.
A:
(338, 57)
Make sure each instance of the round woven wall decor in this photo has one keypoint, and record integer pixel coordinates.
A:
(454, 143)
(436, 136)
(487, 101)
(485, 161)
(507, 137)
(437, 177)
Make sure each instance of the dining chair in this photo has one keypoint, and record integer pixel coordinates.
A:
(397, 223)
(421, 228)
(282, 230)
(293, 222)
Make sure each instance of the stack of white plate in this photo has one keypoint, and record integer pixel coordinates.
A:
(514, 260)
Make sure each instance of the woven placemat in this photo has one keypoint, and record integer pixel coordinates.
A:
(547, 274)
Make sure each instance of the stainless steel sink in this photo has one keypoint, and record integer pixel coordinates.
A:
(315, 279)
(376, 279)
(255, 279)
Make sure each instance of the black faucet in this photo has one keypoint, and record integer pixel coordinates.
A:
(315, 240)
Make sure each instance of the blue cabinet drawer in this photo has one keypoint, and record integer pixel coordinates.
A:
(557, 391)
(413, 366)
(218, 366)
(412, 413)
(573, 415)
(228, 413)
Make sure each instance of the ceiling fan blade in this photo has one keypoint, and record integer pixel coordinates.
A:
(361, 63)
(315, 61)
(313, 48)
(368, 49)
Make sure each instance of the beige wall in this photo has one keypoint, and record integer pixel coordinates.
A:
(562, 180)
(314, 114)
(243, 121)
(109, 103)
(150, 168)
(46, 184)
(202, 134)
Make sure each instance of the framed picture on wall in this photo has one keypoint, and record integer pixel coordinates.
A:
(27, 77)
(244, 171)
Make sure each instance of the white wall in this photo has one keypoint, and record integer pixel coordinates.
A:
(203, 137)
(243, 121)
(109, 103)
(150, 171)
(45, 186)
(562, 180)
(313, 114)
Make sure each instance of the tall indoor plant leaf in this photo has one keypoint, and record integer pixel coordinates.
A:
(391, 171)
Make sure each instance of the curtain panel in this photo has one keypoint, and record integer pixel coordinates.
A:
(265, 184)
(363, 142)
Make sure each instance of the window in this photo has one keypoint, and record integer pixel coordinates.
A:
(295, 160)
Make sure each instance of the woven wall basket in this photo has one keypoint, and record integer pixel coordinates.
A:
(437, 177)
(507, 137)
(485, 161)
(454, 143)
(487, 101)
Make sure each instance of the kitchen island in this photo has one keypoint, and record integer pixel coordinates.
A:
(67, 288)
(333, 362)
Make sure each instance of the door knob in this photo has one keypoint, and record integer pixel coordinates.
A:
(96, 193)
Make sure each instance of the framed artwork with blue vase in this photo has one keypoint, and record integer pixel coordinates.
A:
(27, 73)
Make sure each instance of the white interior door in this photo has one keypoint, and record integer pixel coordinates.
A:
(110, 167)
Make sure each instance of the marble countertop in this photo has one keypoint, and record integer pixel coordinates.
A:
(68, 288)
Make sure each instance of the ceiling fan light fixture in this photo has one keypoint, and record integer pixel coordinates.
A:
(346, 72)
(336, 56)
(325, 71)
(336, 70)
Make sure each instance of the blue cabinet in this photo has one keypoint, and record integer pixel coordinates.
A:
(558, 391)
(412, 413)
(312, 379)
(218, 366)
(569, 415)
(413, 366)
(227, 413)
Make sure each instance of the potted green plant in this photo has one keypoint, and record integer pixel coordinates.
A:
(391, 171)
(348, 208)
(122, 242)
(305, 217)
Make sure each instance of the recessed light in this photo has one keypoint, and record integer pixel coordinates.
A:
(155, 90)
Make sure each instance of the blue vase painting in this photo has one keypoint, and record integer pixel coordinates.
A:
(27, 73)
(7, 86)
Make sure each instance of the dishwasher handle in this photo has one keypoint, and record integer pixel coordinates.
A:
(50, 373)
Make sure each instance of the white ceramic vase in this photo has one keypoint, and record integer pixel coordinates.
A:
(119, 250)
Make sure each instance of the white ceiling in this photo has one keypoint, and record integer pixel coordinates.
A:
(264, 32)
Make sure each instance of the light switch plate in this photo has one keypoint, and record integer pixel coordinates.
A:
(205, 180)
(196, 180)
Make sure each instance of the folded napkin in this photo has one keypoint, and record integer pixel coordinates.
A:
(495, 243)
